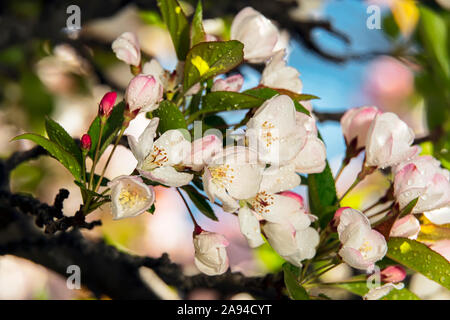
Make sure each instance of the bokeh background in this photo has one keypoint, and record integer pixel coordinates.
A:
(38, 79)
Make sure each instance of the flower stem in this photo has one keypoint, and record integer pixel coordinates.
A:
(189, 209)
(122, 130)
(364, 173)
(96, 156)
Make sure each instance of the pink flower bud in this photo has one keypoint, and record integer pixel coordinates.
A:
(393, 274)
(294, 196)
(210, 253)
(356, 123)
(424, 178)
(86, 142)
(127, 48)
(389, 141)
(233, 83)
(107, 104)
(337, 216)
(143, 93)
(258, 34)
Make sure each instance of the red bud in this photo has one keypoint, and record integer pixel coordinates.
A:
(86, 142)
(107, 104)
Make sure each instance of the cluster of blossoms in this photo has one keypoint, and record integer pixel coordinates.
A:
(253, 176)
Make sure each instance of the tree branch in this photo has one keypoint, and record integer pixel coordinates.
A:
(104, 269)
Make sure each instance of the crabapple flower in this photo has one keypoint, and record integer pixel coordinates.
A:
(202, 150)
(257, 33)
(157, 159)
(406, 227)
(439, 216)
(295, 196)
(355, 124)
(234, 174)
(361, 246)
(393, 274)
(381, 291)
(389, 141)
(107, 104)
(86, 142)
(127, 48)
(233, 83)
(210, 253)
(250, 228)
(313, 156)
(143, 93)
(422, 177)
(292, 244)
(153, 68)
(277, 75)
(277, 179)
(130, 196)
(287, 226)
(274, 132)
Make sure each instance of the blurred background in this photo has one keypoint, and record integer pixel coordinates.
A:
(65, 80)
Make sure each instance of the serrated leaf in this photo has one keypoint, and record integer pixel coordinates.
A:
(197, 32)
(420, 258)
(295, 290)
(112, 127)
(200, 202)
(66, 159)
(170, 117)
(58, 135)
(360, 288)
(208, 59)
(322, 195)
(177, 24)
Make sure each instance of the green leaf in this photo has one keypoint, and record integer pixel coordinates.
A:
(170, 117)
(66, 159)
(433, 30)
(208, 59)
(322, 195)
(227, 101)
(90, 192)
(58, 135)
(112, 127)
(200, 202)
(104, 182)
(178, 26)
(197, 32)
(295, 290)
(420, 258)
(360, 288)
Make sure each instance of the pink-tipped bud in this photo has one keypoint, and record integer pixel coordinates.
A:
(294, 196)
(127, 48)
(107, 104)
(393, 274)
(143, 93)
(197, 230)
(86, 142)
(337, 217)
